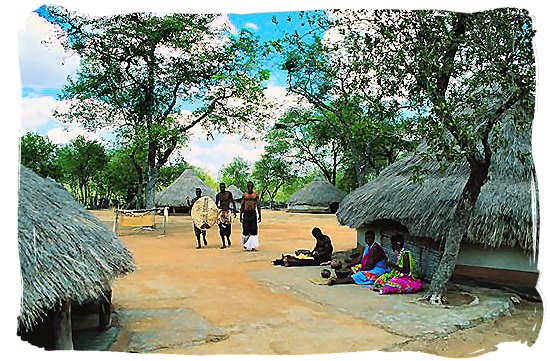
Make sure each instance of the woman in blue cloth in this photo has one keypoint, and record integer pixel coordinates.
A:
(373, 264)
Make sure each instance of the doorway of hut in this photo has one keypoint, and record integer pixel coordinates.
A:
(333, 207)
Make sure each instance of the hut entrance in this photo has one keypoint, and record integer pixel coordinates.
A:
(333, 207)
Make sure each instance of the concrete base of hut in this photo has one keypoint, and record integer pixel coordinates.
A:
(403, 315)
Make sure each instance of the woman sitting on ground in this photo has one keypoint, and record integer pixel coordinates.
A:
(400, 279)
(373, 264)
(320, 254)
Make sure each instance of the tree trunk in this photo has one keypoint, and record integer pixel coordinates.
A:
(359, 164)
(152, 176)
(457, 230)
(334, 163)
(62, 328)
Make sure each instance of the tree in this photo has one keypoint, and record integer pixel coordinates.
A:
(465, 74)
(80, 161)
(170, 172)
(271, 173)
(305, 142)
(237, 172)
(340, 89)
(138, 71)
(39, 154)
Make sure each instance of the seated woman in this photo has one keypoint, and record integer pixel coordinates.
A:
(400, 279)
(372, 266)
(321, 253)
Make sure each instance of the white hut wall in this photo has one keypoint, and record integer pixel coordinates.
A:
(306, 208)
(426, 253)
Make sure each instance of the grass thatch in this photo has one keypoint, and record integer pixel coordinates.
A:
(176, 193)
(65, 252)
(503, 212)
(318, 194)
(236, 192)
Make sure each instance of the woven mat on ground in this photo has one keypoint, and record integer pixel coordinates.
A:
(319, 281)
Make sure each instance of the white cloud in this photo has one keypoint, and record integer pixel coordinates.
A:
(64, 134)
(36, 112)
(251, 26)
(212, 155)
(282, 100)
(43, 66)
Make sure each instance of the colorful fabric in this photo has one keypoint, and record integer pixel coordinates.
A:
(368, 277)
(396, 282)
(403, 284)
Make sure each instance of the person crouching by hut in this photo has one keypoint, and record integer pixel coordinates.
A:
(320, 254)
(373, 265)
(223, 200)
(249, 219)
(401, 278)
(198, 231)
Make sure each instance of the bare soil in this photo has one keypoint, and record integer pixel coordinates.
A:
(236, 314)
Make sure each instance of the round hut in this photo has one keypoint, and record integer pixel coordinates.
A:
(236, 192)
(318, 196)
(67, 256)
(175, 195)
(501, 241)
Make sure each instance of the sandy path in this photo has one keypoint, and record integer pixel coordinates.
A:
(184, 300)
(215, 283)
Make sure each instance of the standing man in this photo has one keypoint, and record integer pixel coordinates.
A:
(249, 219)
(198, 231)
(222, 202)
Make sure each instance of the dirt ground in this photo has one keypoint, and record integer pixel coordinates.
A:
(204, 301)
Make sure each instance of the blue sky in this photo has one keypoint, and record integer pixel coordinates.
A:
(44, 71)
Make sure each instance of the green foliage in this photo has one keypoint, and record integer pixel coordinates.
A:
(270, 173)
(139, 69)
(350, 113)
(206, 177)
(80, 161)
(169, 173)
(39, 154)
(237, 172)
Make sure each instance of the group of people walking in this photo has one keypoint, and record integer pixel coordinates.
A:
(250, 215)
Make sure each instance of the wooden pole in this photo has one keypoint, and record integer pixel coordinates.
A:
(165, 219)
(62, 328)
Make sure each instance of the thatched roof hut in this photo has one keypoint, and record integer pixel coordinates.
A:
(236, 192)
(175, 195)
(505, 212)
(65, 252)
(318, 196)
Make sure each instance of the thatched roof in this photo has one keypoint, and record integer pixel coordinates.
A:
(176, 193)
(317, 193)
(65, 252)
(236, 192)
(503, 213)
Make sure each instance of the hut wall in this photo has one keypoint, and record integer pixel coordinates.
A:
(499, 258)
(304, 208)
(426, 254)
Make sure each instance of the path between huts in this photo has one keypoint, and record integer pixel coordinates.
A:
(214, 301)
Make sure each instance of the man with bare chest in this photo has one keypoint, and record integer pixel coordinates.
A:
(250, 203)
(223, 200)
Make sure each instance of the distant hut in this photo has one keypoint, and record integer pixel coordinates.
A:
(176, 194)
(237, 194)
(318, 196)
(66, 255)
(501, 240)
